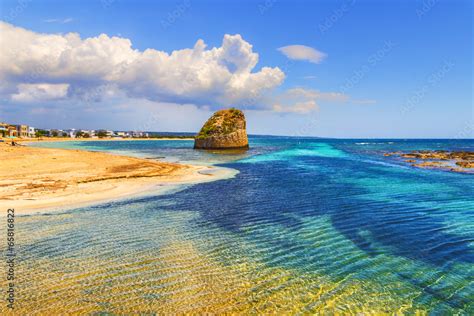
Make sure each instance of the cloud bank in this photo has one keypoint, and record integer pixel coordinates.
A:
(36, 66)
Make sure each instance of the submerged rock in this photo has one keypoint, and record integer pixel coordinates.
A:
(225, 129)
(457, 161)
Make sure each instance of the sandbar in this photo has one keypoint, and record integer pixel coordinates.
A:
(42, 180)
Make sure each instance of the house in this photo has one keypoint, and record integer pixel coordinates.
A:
(138, 134)
(31, 131)
(12, 131)
(90, 133)
(123, 134)
(22, 130)
(55, 133)
(71, 132)
(3, 129)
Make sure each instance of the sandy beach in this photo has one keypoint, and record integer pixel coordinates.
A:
(43, 180)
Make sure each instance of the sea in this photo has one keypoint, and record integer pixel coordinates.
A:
(307, 226)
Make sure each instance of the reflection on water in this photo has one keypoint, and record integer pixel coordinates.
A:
(307, 226)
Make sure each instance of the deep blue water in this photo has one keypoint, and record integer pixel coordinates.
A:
(382, 235)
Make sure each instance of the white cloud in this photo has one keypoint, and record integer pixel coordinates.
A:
(217, 76)
(301, 107)
(301, 52)
(364, 101)
(315, 94)
(28, 92)
(300, 100)
(62, 21)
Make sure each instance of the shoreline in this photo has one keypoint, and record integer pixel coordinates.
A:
(68, 139)
(44, 180)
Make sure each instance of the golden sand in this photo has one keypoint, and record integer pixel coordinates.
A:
(44, 179)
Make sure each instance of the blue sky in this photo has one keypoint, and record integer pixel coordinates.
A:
(387, 68)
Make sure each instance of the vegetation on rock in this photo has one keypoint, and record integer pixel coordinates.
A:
(222, 122)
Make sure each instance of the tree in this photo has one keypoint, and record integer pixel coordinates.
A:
(102, 134)
(79, 134)
(86, 135)
(54, 133)
(40, 133)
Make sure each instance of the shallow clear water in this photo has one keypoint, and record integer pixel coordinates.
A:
(307, 226)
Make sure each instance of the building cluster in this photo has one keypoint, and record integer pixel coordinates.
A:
(11, 130)
(25, 131)
(78, 133)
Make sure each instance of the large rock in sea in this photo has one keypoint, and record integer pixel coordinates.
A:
(225, 129)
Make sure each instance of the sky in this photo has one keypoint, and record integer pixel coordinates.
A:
(344, 69)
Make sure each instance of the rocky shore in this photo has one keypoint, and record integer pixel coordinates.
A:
(457, 161)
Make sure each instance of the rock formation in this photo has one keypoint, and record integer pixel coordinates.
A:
(458, 161)
(225, 129)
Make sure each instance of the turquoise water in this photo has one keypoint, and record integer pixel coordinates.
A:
(307, 226)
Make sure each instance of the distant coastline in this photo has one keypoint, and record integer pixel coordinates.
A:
(68, 139)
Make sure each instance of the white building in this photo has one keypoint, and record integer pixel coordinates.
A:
(71, 132)
(31, 131)
(3, 129)
(56, 133)
(123, 134)
(85, 131)
(138, 134)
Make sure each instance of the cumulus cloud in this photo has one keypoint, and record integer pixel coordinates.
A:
(28, 92)
(300, 100)
(301, 52)
(217, 76)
